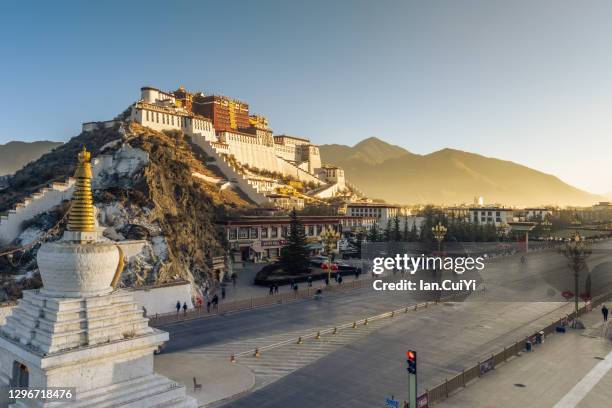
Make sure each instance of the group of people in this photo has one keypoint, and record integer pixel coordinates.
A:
(273, 289)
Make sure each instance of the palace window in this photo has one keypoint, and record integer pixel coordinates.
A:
(274, 232)
(233, 233)
(243, 233)
(254, 232)
(20, 375)
(264, 232)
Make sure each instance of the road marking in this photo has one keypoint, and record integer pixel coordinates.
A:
(584, 386)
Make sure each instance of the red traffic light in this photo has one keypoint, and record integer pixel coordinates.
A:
(411, 355)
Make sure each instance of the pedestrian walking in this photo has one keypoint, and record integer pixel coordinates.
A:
(275, 289)
(604, 312)
(215, 302)
(339, 279)
(223, 292)
(271, 289)
(326, 281)
(295, 288)
(185, 309)
(178, 308)
(208, 306)
(309, 279)
(234, 278)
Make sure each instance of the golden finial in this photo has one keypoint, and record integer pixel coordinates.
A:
(81, 216)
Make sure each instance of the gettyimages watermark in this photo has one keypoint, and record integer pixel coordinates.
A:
(497, 271)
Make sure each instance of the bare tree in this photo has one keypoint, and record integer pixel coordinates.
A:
(576, 252)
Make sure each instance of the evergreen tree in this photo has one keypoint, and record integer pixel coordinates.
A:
(414, 232)
(406, 231)
(373, 234)
(359, 242)
(396, 234)
(294, 256)
(388, 231)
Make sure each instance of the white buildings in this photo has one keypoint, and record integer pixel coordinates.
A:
(382, 212)
(223, 128)
(491, 215)
(537, 213)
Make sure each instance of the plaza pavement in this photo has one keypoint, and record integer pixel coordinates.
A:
(360, 369)
(566, 371)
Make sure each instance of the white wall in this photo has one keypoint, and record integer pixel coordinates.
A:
(124, 162)
(5, 310)
(163, 298)
(37, 203)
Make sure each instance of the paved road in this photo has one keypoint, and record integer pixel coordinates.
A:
(361, 368)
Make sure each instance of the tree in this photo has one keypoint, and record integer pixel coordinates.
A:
(414, 232)
(387, 235)
(576, 252)
(294, 256)
(396, 234)
(406, 231)
(373, 234)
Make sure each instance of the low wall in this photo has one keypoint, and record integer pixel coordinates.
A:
(37, 203)
(5, 310)
(162, 298)
(124, 162)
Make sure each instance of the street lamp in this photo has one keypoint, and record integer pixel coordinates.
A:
(330, 238)
(576, 251)
(439, 231)
(546, 225)
(501, 231)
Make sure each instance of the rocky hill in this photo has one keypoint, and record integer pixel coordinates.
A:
(15, 155)
(447, 177)
(160, 202)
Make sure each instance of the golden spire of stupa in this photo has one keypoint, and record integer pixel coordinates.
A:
(81, 216)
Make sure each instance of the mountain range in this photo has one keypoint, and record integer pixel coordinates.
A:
(15, 155)
(447, 176)
(394, 174)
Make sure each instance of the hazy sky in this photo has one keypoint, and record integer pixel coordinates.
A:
(527, 81)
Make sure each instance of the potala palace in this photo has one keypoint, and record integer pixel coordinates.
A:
(281, 170)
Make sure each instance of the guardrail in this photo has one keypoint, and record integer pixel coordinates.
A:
(352, 325)
(257, 302)
(442, 391)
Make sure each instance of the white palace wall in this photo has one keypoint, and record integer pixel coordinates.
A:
(123, 162)
(37, 203)
(162, 299)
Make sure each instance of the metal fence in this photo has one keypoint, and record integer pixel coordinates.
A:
(442, 391)
(256, 302)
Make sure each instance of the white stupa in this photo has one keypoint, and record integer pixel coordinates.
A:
(78, 331)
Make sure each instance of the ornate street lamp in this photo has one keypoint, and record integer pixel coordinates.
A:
(330, 238)
(439, 231)
(501, 231)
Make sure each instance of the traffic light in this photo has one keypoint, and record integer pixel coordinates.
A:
(411, 359)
